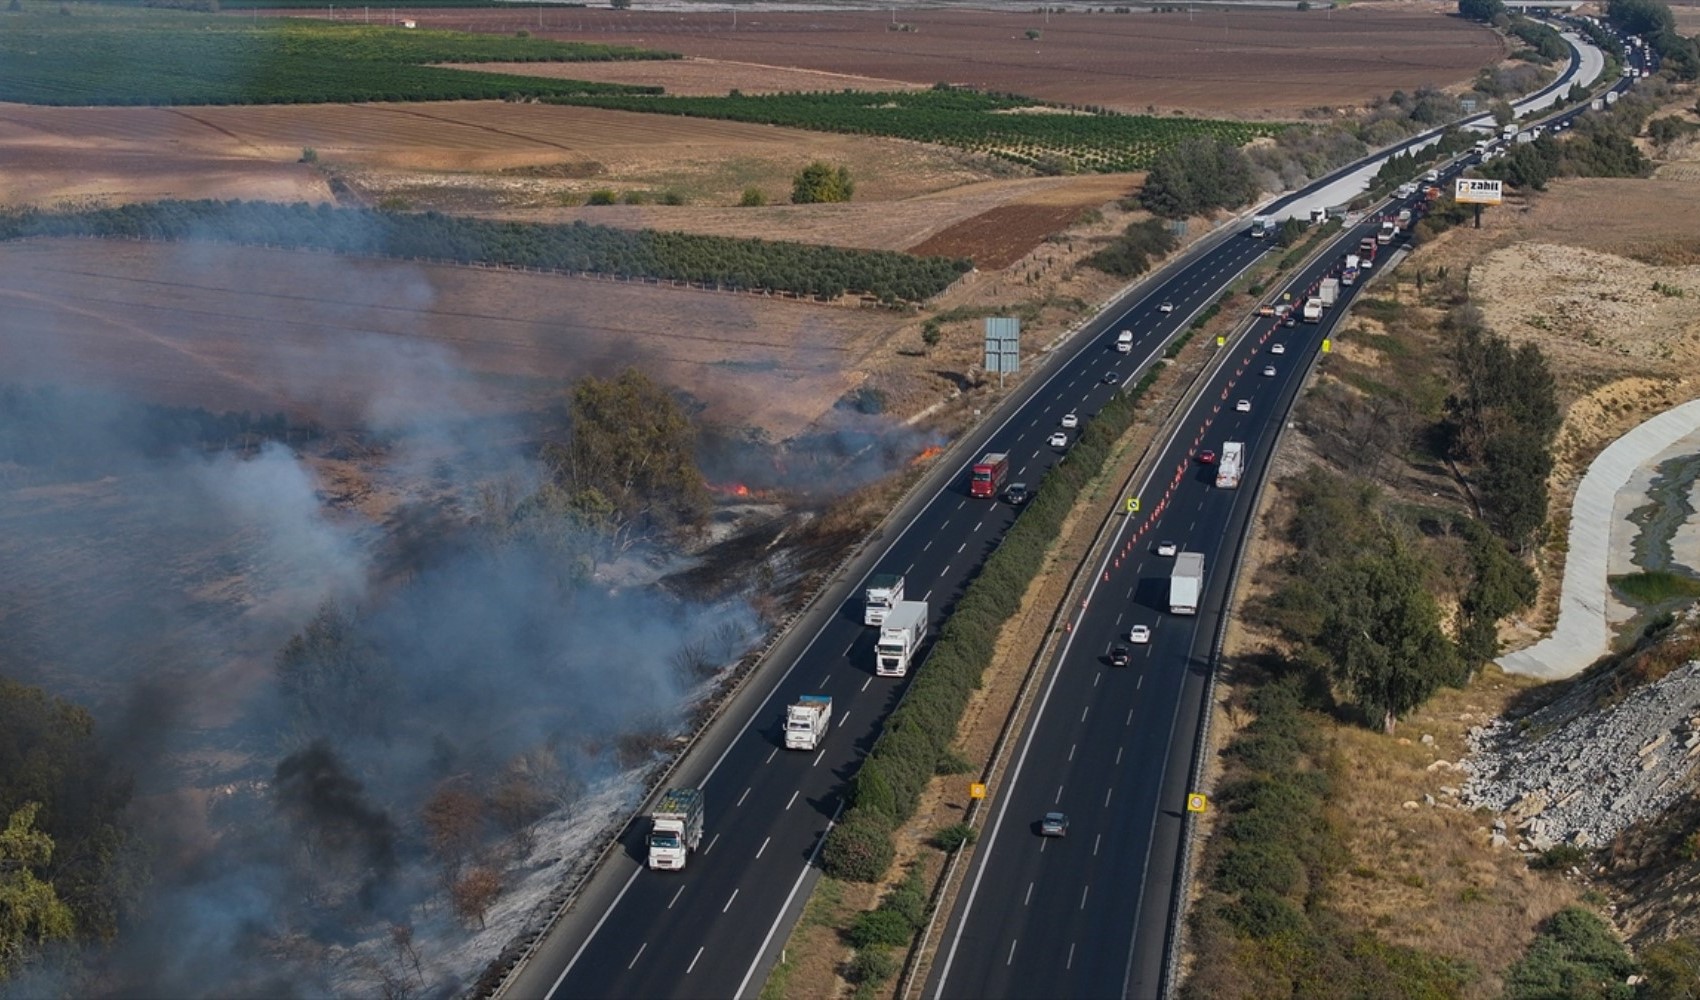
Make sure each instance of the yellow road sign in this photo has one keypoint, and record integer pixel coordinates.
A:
(1220, 340)
(977, 790)
(1327, 345)
(1197, 803)
(1133, 505)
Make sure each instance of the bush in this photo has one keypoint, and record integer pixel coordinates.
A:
(1558, 857)
(1672, 969)
(858, 849)
(1256, 866)
(954, 836)
(753, 198)
(881, 927)
(1263, 915)
(951, 762)
(1576, 955)
(821, 182)
(602, 196)
(871, 965)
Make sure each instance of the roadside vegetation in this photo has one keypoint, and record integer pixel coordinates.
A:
(1049, 138)
(108, 54)
(1266, 925)
(716, 262)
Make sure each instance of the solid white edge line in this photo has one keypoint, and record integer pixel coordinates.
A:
(774, 927)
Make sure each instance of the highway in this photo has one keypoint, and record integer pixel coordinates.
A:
(1111, 746)
(715, 929)
(706, 931)
(1089, 915)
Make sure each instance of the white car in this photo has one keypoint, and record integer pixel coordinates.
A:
(1167, 548)
(1139, 633)
(1166, 307)
(1243, 406)
(1059, 440)
(1277, 348)
(1268, 371)
(1071, 419)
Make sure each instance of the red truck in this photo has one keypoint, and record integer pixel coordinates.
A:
(988, 475)
(1366, 251)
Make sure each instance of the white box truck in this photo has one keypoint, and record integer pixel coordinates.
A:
(1328, 292)
(1186, 583)
(900, 636)
(1231, 466)
(1261, 226)
(1124, 341)
(675, 828)
(1313, 310)
(884, 590)
(806, 721)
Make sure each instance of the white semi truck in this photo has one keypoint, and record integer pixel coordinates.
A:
(806, 721)
(1186, 583)
(675, 828)
(884, 591)
(1231, 466)
(901, 636)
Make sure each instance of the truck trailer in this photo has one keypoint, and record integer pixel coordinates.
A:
(806, 721)
(675, 828)
(1231, 466)
(988, 475)
(900, 638)
(1261, 226)
(1328, 292)
(884, 590)
(1186, 583)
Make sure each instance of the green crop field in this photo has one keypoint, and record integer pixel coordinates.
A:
(1047, 137)
(96, 54)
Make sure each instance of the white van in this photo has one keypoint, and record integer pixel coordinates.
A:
(1124, 342)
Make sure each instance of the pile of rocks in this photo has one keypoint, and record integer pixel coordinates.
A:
(1580, 770)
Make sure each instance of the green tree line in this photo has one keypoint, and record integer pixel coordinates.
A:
(66, 869)
(717, 262)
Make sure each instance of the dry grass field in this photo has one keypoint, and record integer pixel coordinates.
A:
(1226, 62)
(268, 330)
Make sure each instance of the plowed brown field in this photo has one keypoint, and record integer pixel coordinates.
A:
(338, 338)
(1226, 61)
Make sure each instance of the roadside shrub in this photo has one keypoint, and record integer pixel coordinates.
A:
(871, 965)
(1252, 866)
(309, 155)
(954, 836)
(1263, 915)
(602, 196)
(1672, 969)
(753, 198)
(859, 849)
(881, 927)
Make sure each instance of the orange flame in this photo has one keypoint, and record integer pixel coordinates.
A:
(931, 452)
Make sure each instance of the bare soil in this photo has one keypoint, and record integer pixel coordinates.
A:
(1236, 62)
